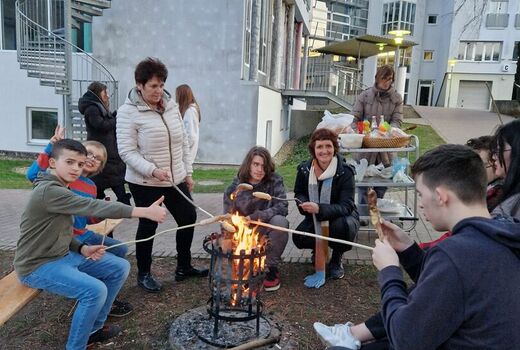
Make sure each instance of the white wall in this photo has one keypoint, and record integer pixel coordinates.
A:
(501, 86)
(270, 108)
(18, 93)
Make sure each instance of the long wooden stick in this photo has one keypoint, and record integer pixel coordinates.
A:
(259, 223)
(256, 343)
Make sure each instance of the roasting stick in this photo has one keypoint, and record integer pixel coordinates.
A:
(222, 218)
(279, 228)
(268, 197)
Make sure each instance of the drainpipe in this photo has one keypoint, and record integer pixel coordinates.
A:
(67, 99)
(277, 55)
(305, 62)
(255, 40)
(297, 55)
(290, 48)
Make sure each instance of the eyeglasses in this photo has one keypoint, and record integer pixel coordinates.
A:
(92, 156)
(497, 151)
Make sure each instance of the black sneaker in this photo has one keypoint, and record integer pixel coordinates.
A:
(272, 280)
(336, 270)
(148, 283)
(185, 272)
(120, 308)
(105, 333)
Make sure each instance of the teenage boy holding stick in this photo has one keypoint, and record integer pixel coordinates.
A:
(49, 258)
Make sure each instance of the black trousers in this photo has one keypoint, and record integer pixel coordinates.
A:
(182, 211)
(119, 191)
(344, 228)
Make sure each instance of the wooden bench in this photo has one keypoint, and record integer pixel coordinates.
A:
(14, 295)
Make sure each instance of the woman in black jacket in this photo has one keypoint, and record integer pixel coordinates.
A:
(325, 186)
(101, 127)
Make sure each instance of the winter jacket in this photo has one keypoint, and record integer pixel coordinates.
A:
(191, 125)
(466, 296)
(375, 102)
(101, 127)
(255, 208)
(342, 192)
(46, 223)
(509, 207)
(148, 139)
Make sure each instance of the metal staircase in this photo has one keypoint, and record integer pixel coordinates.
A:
(45, 50)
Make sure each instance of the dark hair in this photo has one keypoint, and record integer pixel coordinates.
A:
(481, 143)
(149, 68)
(457, 167)
(509, 133)
(96, 87)
(384, 72)
(323, 135)
(184, 97)
(244, 170)
(67, 144)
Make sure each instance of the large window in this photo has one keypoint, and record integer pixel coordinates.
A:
(8, 25)
(247, 32)
(498, 6)
(42, 123)
(405, 58)
(398, 15)
(479, 51)
(265, 24)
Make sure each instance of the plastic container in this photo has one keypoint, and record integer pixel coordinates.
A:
(351, 140)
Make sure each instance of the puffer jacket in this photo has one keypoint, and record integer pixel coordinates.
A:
(101, 127)
(148, 140)
(376, 102)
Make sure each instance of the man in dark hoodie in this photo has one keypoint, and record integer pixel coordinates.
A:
(466, 287)
(101, 127)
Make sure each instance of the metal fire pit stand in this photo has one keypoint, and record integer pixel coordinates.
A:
(230, 296)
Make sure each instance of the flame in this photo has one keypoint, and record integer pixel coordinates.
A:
(245, 239)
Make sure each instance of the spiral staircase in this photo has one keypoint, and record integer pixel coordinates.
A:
(45, 50)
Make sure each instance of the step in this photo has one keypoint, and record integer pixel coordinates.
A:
(44, 75)
(38, 67)
(103, 4)
(81, 17)
(58, 84)
(86, 9)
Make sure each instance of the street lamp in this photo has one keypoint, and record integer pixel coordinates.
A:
(451, 63)
(398, 36)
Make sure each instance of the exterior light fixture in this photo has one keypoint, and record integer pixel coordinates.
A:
(381, 46)
(398, 35)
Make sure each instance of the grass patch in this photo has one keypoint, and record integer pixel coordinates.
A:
(428, 138)
(10, 178)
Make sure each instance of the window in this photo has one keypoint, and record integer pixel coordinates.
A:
(432, 19)
(264, 33)
(516, 51)
(398, 15)
(498, 6)
(247, 32)
(479, 51)
(42, 123)
(428, 55)
(405, 58)
(8, 25)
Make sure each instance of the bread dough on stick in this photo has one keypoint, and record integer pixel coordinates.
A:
(375, 216)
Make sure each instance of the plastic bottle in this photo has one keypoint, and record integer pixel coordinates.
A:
(373, 126)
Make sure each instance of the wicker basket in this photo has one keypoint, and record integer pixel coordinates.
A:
(382, 142)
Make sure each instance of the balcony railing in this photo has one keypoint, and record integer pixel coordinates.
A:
(497, 20)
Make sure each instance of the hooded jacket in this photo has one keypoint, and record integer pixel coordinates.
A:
(466, 295)
(46, 223)
(148, 139)
(101, 127)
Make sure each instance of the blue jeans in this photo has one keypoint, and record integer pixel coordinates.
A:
(94, 284)
(96, 239)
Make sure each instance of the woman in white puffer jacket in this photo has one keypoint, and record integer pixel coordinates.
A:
(190, 113)
(152, 142)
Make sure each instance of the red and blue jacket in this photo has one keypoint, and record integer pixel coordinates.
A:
(83, 186)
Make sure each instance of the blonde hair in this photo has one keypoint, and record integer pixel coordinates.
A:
(103, 149)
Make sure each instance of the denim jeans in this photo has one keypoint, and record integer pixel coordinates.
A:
(96, 239)
(94, 284)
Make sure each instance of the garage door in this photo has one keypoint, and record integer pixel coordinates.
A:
(473, 95)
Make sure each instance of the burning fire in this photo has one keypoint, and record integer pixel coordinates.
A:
(245, 239)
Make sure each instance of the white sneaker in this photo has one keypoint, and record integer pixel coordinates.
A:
(337, 335)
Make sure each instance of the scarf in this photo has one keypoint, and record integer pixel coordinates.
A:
(321, 228)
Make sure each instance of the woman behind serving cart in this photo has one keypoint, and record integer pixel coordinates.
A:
(153, 144)
(379, 100)
(325, 187)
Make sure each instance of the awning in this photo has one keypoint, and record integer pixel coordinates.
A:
(363, 46)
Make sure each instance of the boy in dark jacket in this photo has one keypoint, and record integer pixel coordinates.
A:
(465, 295)
(48, 257)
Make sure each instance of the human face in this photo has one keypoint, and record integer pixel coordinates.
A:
(430, 206)
(324, 151)
(501, 170)
(68, 166)
(488, 164)
(93, 161)
(104, 97)
(256, 170)
(385, 83)
(152, 91)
